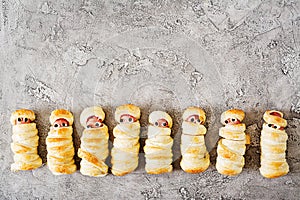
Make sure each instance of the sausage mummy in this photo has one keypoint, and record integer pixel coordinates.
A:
(273, 145)
(60, 157)
(195, 158)
(158, 147)
(126, 142)
(232, 147)
(94, 142)
(25, 141)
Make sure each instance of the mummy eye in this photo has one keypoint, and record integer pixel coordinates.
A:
(275, 126)
(198, 120)
(233, 119)
(88, 126)
(269, 125)
(19, 119)
(164, 124)
(226, 121)
(130, 119)
(121, 120)
(97, 124)
(55, 125)
(192, 119)
(156, 123)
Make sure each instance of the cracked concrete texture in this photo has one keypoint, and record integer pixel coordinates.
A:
(158, 55)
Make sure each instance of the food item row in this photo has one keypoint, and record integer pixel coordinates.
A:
(158, 146)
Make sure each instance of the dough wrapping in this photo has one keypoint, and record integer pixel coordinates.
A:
(60, 157)
(195, 158)
(158, 147)
(25, 142)
(94, 144)
(273, 145)
(231, 148)
(126, 142)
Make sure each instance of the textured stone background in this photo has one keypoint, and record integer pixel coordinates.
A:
(158, 55)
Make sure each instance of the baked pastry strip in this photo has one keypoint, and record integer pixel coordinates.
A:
(195, 157)
(158, 147)
(60, 157)
(273, 145)
(94, 142)
(25, 141)
(126, 142)
(231, 148)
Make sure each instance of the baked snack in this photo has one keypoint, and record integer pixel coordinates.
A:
(273, 145)
(60, 157)
(195, 158)
(94, 142)
(158, 147)
(25, 141)
(232, 147)
(126, 143)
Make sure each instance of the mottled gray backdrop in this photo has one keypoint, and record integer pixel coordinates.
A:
(158, 55)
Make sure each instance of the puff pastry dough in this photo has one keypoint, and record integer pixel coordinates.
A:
(195, 158)
(158, 147)
(126, 142)
(232, 147)
(94, 142)
(273, 145)
(60, 157)
(25, 141)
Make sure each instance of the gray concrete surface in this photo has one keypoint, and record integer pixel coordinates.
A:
(158, 55)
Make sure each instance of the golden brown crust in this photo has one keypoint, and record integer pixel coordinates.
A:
(24, 113)
(63, 169)
(127, 109)
(273, 146)
(273, 119)
(233, 113)
(24, 146)
(195, 164)
(61, 114)
(160, 170)
(60, 157)
(276, 174)
(228, 172)
(119, 173)
(232, 146)
(92, 159)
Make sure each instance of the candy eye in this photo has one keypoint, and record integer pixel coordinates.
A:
(130, 119)
(198, 120)
(121, 120)
(19, 119)
(97, 124)
(226, 121)
(164, 124)
(275, 126)
(55, 125)
(192, 119)
(269, 125)
(88, 126)
(233, 119)
(156, 123)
